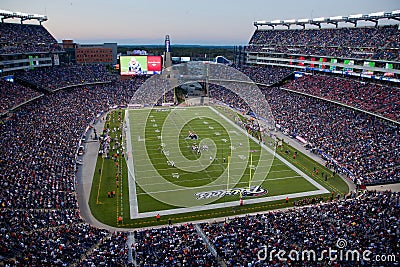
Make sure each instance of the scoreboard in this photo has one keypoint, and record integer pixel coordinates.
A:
(140, 65)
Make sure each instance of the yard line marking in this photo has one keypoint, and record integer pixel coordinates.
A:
(98, 189)
(201, 179)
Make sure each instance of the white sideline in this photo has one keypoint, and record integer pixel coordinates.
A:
(305, 176)
(134, 210)
(133, 202)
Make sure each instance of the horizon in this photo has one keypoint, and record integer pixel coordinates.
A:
(191, 23)
(174, 45)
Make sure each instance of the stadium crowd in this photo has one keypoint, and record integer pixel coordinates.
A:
(40, 223)
(360, 145)
(38, 197)
(155, 91)
(39, 212)
(24, 38)
(52, 246)
(339, 52)
(39, 218)
(172, 246)
(111, 251)
(227, 97)
(379, 99)
(369, 222)
(66, 75)
(13, 94)
(360, 42)
(265, 75)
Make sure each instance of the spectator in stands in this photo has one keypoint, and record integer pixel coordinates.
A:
(370, 222)
(359, 42)
(382, 100)
(66, 76)
(13, 94)
(39, 219)
(355, 143)
(26, 38)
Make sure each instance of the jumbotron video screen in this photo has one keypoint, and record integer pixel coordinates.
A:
(140, 65)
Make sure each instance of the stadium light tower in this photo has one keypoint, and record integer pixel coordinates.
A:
(167, 53)
(167, 44)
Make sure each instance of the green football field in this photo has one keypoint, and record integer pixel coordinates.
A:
(195, 159)
(165, 172)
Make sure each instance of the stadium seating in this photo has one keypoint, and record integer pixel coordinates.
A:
(266, 74)
(379, 99)
(364, 146)
(12, 94)
(38, 179)
(360, 42)
(24, 38)
(366, 223)
(66, 75)
(51, 127)
(40, 223)
(111, 251)
(172, 246)
(361, 143)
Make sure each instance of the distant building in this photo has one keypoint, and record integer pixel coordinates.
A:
(68, 44)
(91, 53)
(69, 47)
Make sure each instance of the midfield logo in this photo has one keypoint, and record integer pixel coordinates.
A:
(254, 191)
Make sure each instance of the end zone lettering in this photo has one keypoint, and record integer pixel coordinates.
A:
(254, 191)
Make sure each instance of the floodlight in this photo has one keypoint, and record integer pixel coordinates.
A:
(356, 16)
(336, 18)
(303, 20)
(319, 19)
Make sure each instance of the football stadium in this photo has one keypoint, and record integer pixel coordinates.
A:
(284, 151)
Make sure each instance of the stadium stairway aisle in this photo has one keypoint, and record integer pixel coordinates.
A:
(88, 252)
(210, 246)
(129, 242)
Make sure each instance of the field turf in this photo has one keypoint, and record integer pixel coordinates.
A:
(171, 172)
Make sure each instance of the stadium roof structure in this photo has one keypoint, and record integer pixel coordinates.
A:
(353, 19)
(5, 14)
